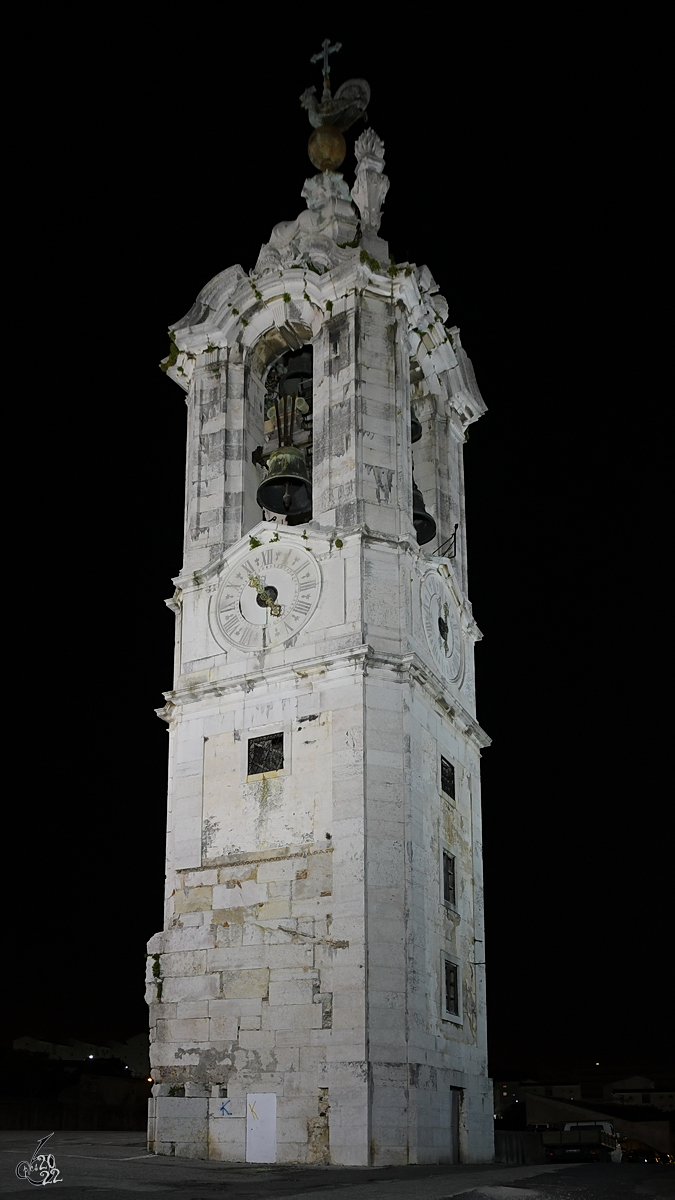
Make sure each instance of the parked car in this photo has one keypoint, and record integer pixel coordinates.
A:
(641, 1156)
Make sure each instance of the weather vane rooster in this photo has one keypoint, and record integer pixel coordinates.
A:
(333, 114)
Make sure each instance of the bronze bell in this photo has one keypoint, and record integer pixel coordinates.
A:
(299, 372)
(415, 427)
(425, 526)
(287, 488)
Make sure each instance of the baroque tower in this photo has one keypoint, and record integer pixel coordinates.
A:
(317, 994)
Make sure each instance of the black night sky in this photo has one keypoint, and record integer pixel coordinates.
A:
(153, 162)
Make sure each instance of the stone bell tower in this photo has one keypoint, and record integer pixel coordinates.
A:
(317, 994)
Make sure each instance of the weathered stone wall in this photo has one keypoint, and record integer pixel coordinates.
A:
(313, 961)
(225, 419)
(228, 1022)
(259, 942)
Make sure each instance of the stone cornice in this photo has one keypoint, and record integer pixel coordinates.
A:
(247, 681)
(418, 670)
(235, 309)
(317, 541)
(363, 659)
(267, 532)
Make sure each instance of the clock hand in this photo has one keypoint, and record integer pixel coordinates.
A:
(254, 581)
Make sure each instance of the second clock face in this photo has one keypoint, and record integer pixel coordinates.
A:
(266, 597)
(441, 625)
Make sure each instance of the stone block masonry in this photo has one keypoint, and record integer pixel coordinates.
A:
(330, 999)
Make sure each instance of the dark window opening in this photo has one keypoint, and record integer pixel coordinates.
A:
(448, 877)
(266, 754)
(447, 778)
(451, 992)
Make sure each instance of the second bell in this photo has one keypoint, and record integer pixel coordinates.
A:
(425, 526)
(287, 488)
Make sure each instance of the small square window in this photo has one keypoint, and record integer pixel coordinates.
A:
(451, 988)
(447, 778)
(266, 754)
(449, 888)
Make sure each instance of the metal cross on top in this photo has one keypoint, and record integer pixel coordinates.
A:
(323, 54)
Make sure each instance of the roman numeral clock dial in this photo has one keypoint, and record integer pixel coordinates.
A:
(266, 596)
(441, 626)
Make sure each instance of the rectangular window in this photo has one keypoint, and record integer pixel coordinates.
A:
(447, 778)
(266, 754)
(449, 893)
(451, 989)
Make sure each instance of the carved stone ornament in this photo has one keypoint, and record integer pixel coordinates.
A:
(432, 310)
(317, 234)
(212, 299)
(371, 185)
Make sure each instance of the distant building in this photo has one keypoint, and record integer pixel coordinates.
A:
(134, 1053)
(511, 1092)
(635, 1091)
(640, 1091)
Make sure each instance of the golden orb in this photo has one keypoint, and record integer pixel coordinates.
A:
(327, 148)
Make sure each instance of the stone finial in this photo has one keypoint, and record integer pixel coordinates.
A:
(371, 184)
(371, 146)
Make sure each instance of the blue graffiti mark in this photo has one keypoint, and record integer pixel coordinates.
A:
(224, 1109)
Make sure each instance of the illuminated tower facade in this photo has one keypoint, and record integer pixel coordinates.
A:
(317, 993)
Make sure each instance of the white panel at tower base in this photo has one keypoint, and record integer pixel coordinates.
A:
(261, 1127)
(317, 994)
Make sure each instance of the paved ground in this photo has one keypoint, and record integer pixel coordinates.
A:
(586, 1181)
(110, 1165)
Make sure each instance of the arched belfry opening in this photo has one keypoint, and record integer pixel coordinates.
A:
(425, 525)
(285, 494)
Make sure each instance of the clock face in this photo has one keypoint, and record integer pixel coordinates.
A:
(441, 625)
(266, 597)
